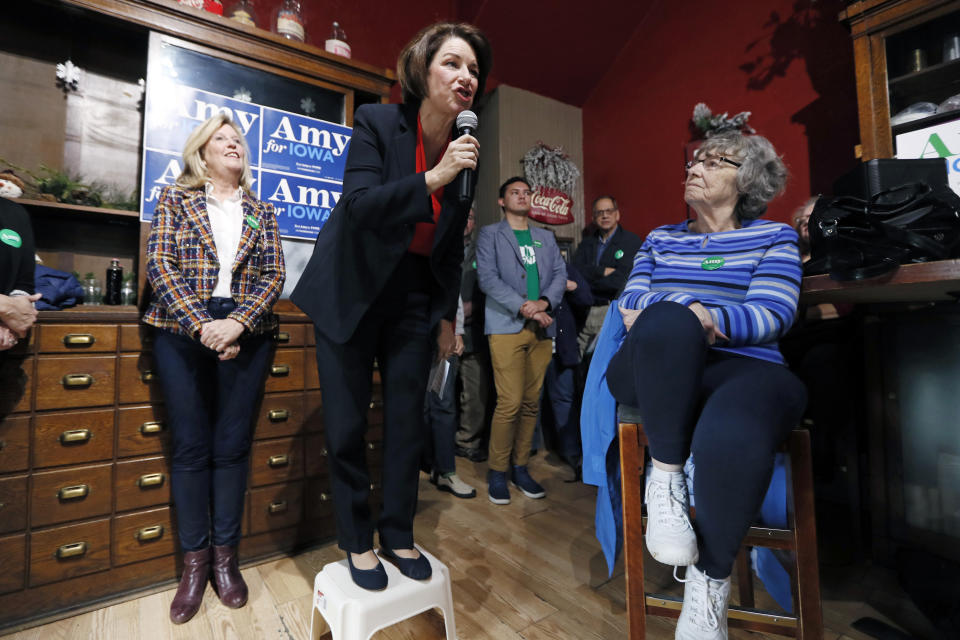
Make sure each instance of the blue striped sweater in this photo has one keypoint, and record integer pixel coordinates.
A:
(748, 278)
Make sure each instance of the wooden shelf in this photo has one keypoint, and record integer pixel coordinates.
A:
(929, 121)
(921, 282)
(934, 74)
(77, 208)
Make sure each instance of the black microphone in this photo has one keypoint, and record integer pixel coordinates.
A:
(466, 124)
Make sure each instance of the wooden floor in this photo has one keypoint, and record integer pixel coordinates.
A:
(531, 570)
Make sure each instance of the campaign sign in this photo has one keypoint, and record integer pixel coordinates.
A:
(175, 111)
(301, 145)
(160, 169)
(302, 204)
(938, 141)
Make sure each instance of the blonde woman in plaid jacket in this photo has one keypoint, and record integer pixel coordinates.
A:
(215, 264)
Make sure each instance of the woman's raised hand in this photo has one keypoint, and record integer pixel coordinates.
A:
(461, 153)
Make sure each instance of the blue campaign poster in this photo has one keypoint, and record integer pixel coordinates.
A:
(302, 204)
(300, 159)
(307, 146)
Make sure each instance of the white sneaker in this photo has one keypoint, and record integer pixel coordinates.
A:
(670, 537)
(705, 603)
(456, 486)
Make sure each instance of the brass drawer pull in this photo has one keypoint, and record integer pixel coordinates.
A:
(147, 376)
(149, 533)
(280, 370)
(79, 340)
(74, 492)
(150, 480)
(76, 380)
(281, 460)
(75, 436)
(72, 550)
(282, 336)
(324, 497)
(151, 427)
(278, 415)
(278, 507)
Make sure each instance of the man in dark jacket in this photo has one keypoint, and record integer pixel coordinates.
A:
(605, 259)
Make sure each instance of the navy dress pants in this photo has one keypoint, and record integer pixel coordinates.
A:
(396, 332)
(210, 405)
(730, 411)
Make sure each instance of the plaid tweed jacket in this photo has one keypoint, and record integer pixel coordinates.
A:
(182, 264)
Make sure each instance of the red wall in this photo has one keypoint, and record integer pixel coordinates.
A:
(788, 61)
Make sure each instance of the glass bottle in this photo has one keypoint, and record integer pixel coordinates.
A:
(243, 12)
(289, 21)
(337, 42)
(114, 282)
(128, 294)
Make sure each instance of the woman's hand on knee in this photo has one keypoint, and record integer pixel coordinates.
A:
(629, 316)
(709, 328)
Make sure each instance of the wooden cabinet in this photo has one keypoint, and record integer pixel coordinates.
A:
(898, 53)
(85, 503)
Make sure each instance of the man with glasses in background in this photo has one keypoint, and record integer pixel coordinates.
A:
(605, 259)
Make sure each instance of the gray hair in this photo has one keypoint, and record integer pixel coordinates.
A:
(762, 175)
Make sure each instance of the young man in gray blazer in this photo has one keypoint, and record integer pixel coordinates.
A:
(522, 273)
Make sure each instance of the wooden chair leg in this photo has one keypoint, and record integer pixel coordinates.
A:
(808, 609)
(631, 484)
(744, 577)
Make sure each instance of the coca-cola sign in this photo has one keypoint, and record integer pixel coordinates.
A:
(551, 206)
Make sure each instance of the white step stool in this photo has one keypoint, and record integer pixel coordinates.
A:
(356, 614)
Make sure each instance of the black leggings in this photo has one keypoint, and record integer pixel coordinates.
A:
(730, 411)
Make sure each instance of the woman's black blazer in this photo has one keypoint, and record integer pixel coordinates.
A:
(372, 225)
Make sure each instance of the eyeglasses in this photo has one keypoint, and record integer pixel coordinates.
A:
(603, 212)
(712, 163)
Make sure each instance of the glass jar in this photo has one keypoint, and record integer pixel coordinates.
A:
(92, 291)
(289, 22)
(243, 12)
(128, 293)
(337, 42)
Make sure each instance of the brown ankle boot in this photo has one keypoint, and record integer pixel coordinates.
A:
(227, 580)
(193, 582)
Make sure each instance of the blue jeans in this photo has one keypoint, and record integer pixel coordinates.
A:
(210, 405)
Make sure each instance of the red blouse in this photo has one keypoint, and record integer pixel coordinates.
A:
(424, 232)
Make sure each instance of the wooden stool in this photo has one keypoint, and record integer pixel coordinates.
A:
(800, 539)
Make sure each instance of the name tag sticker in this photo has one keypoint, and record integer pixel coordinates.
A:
(10, 237)
(618, 254)
(537, 243)
(253, 222)
(712, 263)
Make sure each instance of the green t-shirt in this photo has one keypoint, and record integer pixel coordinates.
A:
(525, 240)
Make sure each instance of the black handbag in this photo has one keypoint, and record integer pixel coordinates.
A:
(855, 239)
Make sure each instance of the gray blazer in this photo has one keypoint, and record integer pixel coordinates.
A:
(502, 275)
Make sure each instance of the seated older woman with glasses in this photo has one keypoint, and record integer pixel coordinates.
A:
(704, 307)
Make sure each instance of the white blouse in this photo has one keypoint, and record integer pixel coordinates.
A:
(226, 222)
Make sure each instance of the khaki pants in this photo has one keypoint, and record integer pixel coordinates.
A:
(591, 328)
(519, 363)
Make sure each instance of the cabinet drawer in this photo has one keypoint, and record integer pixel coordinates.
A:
(72, 438)
(313, 411)
(14, 443)
(281, 414)
(290, 335)
(142, 430)
(315, 455)
(285, 372)
(136, 337)
(311, 376)
(138, 379)
(319, 499)
(16, 384)
(71, 494)
(68, 552)
(13, 551)
(13, 504)
(274, 461)
(77, 338)
(275, 507)
(143, 535)
(79, 381)
(142, 483)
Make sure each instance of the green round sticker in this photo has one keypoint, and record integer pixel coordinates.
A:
(253, 222)
(618, 254)
(474, 264)
(712, 263)
(10, 237)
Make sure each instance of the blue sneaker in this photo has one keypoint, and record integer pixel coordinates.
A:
(530, 487)
(497, 487)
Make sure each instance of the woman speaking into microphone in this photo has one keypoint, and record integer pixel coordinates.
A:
(383, 282)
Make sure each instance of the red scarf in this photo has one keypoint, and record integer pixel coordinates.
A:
(424, 232)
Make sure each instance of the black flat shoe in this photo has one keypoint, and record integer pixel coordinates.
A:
(370, 579)
(413, 568)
